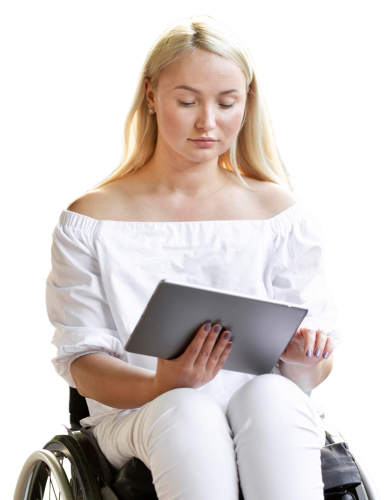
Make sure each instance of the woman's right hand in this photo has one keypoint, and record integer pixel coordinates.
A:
(198, 364)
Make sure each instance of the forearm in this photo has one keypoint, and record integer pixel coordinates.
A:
(307, 378)
(113, 382)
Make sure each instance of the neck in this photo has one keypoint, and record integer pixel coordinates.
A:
(185, 180)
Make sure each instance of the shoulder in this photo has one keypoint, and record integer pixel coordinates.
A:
(273, 198)
(87, 204)
(93, 204)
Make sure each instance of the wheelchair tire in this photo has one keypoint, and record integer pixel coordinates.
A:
(83, 482)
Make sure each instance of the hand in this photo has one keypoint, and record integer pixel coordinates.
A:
(306, 340)
(197, 365)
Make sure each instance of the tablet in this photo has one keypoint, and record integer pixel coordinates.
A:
(260, 329)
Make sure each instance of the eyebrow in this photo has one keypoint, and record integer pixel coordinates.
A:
(198, 91)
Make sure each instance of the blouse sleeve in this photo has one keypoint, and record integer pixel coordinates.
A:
(300, 274)
(76, 301)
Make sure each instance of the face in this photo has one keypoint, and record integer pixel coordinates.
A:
(204, 109)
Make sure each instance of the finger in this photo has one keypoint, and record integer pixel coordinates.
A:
(219, 349)
(222, 358)
(321, 340)
(206, 349)
(329, 346)
(213, 347)
(191, 353)
(310, 339)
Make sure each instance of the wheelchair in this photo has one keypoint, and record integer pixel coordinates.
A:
(72, 467)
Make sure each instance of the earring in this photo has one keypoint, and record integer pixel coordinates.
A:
(151, 110)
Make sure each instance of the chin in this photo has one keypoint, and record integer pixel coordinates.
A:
(203, 156)
(198, 158)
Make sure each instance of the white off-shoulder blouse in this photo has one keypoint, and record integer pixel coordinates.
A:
(104, 272)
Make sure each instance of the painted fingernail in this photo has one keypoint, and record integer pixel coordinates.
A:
(325, 355)
(317, 353)
(227, 335)
(309, 353)
(217, 328)
(207, 326)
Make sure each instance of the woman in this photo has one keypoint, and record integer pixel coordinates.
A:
(179, 207)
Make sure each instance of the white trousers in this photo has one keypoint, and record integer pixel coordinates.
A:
(269, 440)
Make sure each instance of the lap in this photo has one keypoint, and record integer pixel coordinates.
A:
(122, 436)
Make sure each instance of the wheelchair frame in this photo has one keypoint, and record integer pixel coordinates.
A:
(92, 476)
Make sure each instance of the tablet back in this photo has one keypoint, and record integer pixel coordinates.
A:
(260, 329)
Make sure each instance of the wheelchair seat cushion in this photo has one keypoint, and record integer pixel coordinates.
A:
(134, 481)
(339, 469)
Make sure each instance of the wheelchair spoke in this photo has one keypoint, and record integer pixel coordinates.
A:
(83, 484)
(76, 491)
(70, 472)
(74, 483)
(52, 489)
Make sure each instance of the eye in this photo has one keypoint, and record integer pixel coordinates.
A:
(189, 103)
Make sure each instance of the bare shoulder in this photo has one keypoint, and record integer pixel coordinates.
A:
(273, 198)
(93, 204)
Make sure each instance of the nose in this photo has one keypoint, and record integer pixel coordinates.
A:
(206, 118)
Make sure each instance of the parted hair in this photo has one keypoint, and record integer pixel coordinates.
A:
(254, 152)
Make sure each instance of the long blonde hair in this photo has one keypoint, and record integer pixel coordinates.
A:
(254, 152)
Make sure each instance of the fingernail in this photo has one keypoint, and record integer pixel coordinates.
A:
(217, 328)
(309, 353)
(325, 355)
(226, 335)
(317, 353)
(207, 327)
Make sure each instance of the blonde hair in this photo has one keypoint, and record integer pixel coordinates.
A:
(254, 152)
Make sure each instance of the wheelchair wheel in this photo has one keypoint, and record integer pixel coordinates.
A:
(83, 482)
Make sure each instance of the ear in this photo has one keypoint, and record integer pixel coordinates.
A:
(150, 94)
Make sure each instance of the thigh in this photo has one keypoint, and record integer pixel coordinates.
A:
(174, 422)
(278, 434)
(274, 400)
(112, 436)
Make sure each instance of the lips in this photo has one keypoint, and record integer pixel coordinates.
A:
(203, 140)
(204, 143)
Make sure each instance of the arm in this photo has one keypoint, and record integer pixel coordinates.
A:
(299, 362)
(113, 382)
(300, 278)
(307, 377)
(85, 334)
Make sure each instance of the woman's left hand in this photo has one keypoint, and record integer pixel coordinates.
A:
(305, 342)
